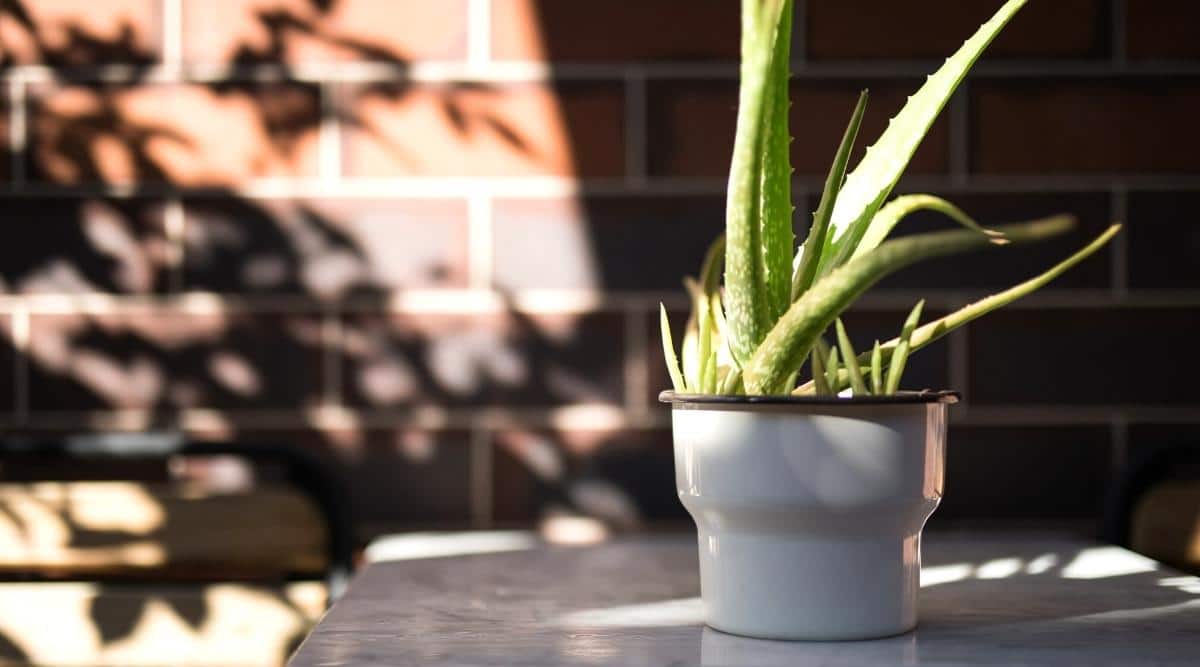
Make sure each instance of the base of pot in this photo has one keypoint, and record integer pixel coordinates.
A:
(817, 587)
(811, 638)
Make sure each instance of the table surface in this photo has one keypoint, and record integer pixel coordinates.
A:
(985, 600)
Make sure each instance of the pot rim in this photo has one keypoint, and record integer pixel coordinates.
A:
(900, 398)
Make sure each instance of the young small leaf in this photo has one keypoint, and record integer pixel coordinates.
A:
(900, 356)
(876, 370)
(814, 245)
(831, 371)
(669, 350)
(850, 360)
(818, 373)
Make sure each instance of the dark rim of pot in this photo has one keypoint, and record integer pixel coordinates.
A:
(899, 398)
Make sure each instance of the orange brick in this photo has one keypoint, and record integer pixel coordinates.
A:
(191, 135)
(503, 130)
(301, 31)
(82, 32)
(936, 28)
(615, 31)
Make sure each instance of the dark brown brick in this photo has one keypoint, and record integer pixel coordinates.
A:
(70, 245)
(870, 29)
(619, 243)
(325, 247)
(6, 155)
(1000, 267)
(66, 33)
(653, 30)
(1164, 240)
(1025, 472)
(1085, 126)
(625, 477)
(298, 31)
(507, 359)
(691, 125)
(166, 359)
(191, 135)
(1081, 356)
(1162, 29)
(572, 129)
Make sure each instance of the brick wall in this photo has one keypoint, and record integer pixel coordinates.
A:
(426, 239)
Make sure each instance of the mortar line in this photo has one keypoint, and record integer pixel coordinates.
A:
(960, 135)
(329, 135)
(479, 241)
(637, 360)
(18, 116)
(1119, 252)
(635, 127)
(1119, 30)
(172, 35)
(482, 467)
(479, 35)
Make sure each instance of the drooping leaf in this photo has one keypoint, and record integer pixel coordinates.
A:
(669, 350)
(850, 360)
(901, 207)
(791, 339)
(872, 180)
(900, 356)
(747, 304)
(932, 331)
(810, 252)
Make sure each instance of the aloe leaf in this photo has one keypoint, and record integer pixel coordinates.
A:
(732, 382)
(706, 354)
(900, 356)
(876, 369)
(669, 350)
(776, 188)
(831, 371)
(850, 360)
(901, 207)
(789, 342)
(872, 180)
(747, 298)
(932, 331)
(810, 252)
(818, 373)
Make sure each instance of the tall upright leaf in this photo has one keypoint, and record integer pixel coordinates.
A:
(776, 217)
(748, 299)
(872, 180)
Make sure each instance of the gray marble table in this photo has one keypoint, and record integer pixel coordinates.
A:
(985, 600)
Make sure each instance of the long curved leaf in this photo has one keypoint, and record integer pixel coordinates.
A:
(901, 207)
(793, 336)
(872, 180)
(932, 331)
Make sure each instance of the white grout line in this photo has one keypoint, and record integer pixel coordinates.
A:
(637, 360)
(482, 470)
(329, 151)
(172, 36)
(479, 37)
(1119, 252)
(479, 242)
(636, 145)
(18, 115)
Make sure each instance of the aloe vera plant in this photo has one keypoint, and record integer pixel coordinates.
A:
(753, 334)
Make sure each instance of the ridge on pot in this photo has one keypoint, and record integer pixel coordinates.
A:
(809, 510)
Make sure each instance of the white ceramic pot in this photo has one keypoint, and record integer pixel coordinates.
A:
(809, 510)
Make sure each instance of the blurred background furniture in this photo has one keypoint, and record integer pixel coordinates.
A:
(1154, 509)
(149, 550)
